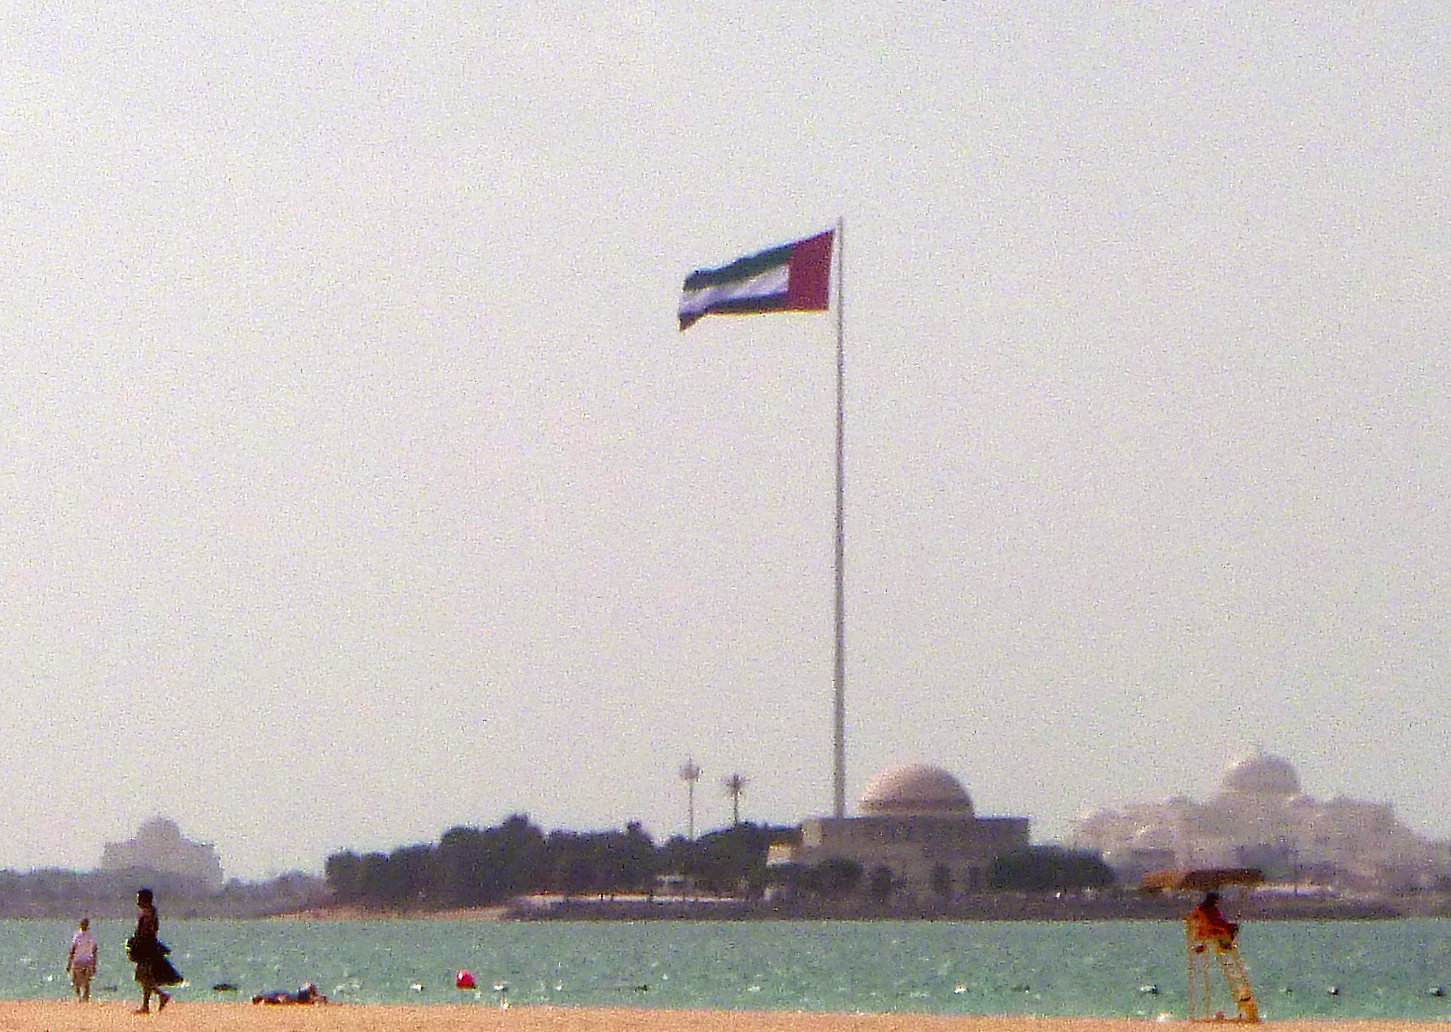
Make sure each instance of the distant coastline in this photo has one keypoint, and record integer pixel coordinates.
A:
(52, 896)
(331, 912)
(985, 907)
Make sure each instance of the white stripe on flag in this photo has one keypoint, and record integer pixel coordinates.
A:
(770, 283)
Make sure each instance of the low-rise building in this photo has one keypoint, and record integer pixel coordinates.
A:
(916, 821)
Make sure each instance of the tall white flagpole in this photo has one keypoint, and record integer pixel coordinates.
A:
(839, 714)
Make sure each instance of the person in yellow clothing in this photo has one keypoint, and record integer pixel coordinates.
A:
(1208, 924)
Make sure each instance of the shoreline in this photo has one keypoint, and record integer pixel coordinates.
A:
(984, 908)
(354, 913)
(69, 1016)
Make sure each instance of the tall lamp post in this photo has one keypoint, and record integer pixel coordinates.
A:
(690, 774)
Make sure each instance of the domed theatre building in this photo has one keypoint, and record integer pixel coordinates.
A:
(1259, 817)
(918, 822)
(159, 846)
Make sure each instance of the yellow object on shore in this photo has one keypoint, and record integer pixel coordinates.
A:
(1204, 954)
(1210, 941)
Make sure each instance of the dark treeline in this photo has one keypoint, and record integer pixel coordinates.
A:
(1040, 869)
(1050, 869)
(471, 867)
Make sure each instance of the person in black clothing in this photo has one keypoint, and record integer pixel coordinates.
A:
(148, 953)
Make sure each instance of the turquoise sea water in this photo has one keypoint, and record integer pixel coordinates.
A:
(1382, 969)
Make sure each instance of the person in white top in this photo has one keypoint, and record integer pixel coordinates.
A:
(81, 960)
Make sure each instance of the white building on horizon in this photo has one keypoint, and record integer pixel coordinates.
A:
(1259, 817)
(159, 846)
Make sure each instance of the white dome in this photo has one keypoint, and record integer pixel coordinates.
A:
(915, 788)
(1260, 774)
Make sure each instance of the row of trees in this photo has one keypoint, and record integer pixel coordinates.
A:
(481, 866)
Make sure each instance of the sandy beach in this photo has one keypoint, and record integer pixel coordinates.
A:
(67, 1016)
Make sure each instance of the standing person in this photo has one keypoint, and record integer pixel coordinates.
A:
(148, 953)
(81, 960)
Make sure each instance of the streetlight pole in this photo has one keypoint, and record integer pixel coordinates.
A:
(690, 774)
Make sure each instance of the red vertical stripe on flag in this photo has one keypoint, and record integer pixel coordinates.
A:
(808, 284)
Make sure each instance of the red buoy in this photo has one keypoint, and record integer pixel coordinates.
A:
(465, 980)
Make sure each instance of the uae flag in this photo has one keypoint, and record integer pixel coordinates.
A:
(790, 278)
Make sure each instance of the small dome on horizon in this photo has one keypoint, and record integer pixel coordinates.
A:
(915, 788)
(159, 828)
(1260, 774)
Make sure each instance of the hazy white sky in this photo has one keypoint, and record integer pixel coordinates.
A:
(355, 481)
